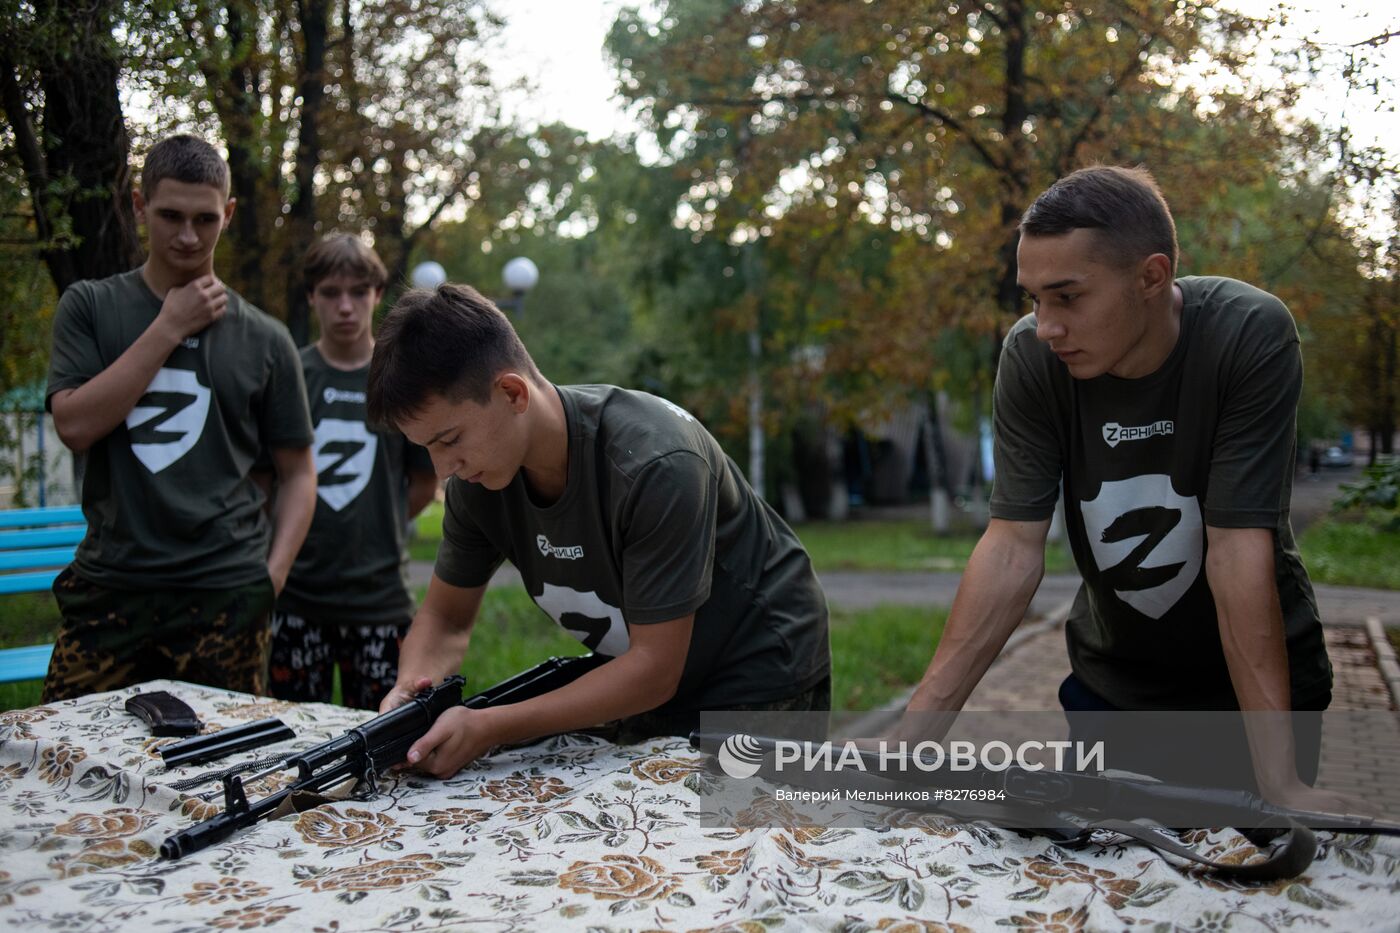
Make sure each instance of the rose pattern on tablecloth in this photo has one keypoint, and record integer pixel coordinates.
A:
(573, 833)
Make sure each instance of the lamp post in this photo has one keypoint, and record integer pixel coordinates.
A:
(519, 276)
(428, 275)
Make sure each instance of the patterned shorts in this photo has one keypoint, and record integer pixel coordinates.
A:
(114, 638)
(306, 652)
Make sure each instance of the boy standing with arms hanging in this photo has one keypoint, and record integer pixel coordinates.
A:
(170, 384)
(347, 600)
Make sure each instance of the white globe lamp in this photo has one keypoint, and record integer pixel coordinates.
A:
(520, 275)
(428, 275)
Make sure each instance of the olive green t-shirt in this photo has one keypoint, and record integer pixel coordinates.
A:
(166, 494)
(1145, 464)
(655, 523)
(353, 567)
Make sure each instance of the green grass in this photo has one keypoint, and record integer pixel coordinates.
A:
(427, 533)
(898, 545)
(1351, 553)
(26, 619)
(510, 635)
(854, 545)
(878, 652)
(875, 652)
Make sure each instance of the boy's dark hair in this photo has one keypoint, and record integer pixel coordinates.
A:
(184, 158)
(450, 342)
(343, 254)
(1123, 204)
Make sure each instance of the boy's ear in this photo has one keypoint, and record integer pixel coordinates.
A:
(517, 390)
(138, 205)
(228, 211)
(1156, 273)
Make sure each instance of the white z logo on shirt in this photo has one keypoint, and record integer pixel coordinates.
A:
(344, 460)
(169, 418)
(1147, 540)
(586, 617)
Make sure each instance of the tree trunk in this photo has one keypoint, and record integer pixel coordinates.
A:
(301, 218)
(1015, 174)
(1014, 177)
(236, 101)
(81, 148)
(940, 476)
(1386, 401)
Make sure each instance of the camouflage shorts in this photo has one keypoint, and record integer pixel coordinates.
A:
(644, 726)
(114, 638)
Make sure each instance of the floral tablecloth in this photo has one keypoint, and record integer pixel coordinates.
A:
(572, 833)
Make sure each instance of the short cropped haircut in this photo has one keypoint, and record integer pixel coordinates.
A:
(343, 254)
(450, 342)
(187, 159)
(1124, 205)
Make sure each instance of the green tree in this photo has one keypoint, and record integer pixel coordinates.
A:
(64, 138)
(881, 155)
(374, 117)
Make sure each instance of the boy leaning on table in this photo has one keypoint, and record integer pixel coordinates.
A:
(628, 524)
(169, 385)
(1162, 408)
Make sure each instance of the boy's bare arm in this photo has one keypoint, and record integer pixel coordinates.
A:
(437, 640)
(292, 509)
(645, 676)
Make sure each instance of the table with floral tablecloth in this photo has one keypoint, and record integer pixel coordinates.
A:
(572, 832)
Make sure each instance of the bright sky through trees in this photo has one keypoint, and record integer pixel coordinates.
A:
(557, 44)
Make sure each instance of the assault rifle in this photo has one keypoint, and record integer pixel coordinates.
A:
(1068, 806)
(365, 751)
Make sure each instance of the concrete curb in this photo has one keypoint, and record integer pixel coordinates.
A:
(1385, 658)
(877, 721)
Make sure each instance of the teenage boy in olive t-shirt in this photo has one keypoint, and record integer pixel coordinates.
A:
(170, 385)
(347, 602)
(628, 524)
(1163, 410)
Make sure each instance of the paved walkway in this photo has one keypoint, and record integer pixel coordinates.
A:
(1027, 676)
(1339, 605)
(855, 589)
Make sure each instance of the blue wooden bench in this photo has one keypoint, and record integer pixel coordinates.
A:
(35, 545)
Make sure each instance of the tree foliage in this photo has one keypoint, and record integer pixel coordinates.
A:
(875, 158)
(64, 138)
(371, 117)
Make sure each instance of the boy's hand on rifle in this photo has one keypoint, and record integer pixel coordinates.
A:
(402, 693)
(459, 737)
